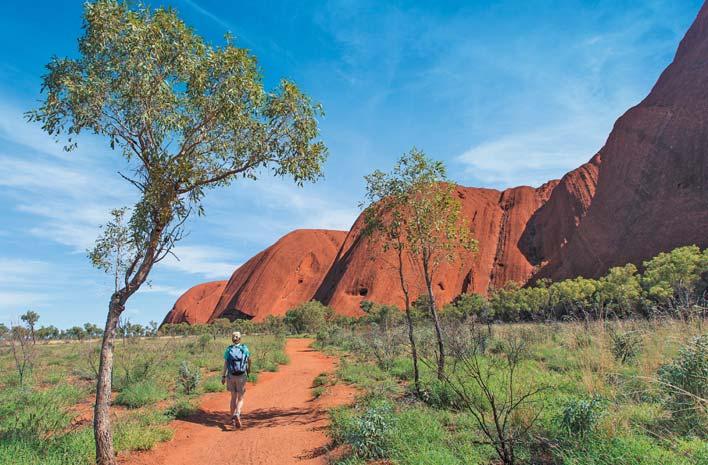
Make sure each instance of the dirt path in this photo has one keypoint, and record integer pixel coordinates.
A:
(283, 424)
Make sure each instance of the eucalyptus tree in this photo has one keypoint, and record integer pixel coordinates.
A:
(30, 318)
(187, 116)
(417, 214)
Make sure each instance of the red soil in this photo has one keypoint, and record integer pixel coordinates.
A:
(283, 424)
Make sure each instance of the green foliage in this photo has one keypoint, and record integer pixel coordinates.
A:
(212, 384)
(189, 377)
(31, 413)
(672, 278)
(619, 291)
(366, 433)
(685, 383)
(182, 408)
(469, 305)
(579, 416)
(140, 394)
(625, 346)
(204, 341)
(308, 317)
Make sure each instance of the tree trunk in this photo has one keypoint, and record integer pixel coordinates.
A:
(103, 435)
(409, 322)
(436, 320)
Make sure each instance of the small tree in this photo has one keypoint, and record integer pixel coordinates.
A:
(187, 117)
(4, 330)
(23, 352)
(308, 317)
(489, 389)
(30, 318)
(152, 328)
(48, 333)
(417, 214)
(92, 330)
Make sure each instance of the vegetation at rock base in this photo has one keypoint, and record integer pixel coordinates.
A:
(584, 371)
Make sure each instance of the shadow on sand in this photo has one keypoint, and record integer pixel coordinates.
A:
(261, 418)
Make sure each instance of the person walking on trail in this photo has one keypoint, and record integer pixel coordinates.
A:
(237, 365)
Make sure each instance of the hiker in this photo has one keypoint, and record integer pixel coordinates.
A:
(237, 365)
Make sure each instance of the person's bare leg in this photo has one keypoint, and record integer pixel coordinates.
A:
(239, 403)
(234, 402)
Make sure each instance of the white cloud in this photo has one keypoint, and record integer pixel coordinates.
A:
(210, 262)
(161, 289)
(532, 158)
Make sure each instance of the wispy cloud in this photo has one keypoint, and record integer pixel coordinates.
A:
(162, 289)
(207, 261)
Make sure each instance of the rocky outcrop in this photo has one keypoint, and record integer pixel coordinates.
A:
(197, 304)
(644, 192)
(282, 276)
(652, 182)
(364, 271)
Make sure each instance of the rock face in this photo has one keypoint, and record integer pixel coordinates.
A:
(644, 192)
(363, 271)
(280, 277)
(652, 182)
(197, 304)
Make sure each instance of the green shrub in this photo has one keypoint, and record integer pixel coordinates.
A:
(212, 384)
(309, 317)
(365, 433)
(182, 408)
(320, 380)
(579, 416)
(189, 377)
(625, 346)
(26, 413)
(141, 432)
(685, 383)
(140, 394)
(439, 394)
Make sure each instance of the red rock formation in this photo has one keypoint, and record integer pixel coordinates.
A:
(652, 184)
(197, 304)
(555, 222)
(646, 191)
(280, 277)
(362, 271)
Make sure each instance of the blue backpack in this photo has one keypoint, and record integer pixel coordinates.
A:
(237, 359)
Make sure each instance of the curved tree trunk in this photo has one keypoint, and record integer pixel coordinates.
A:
(105, 455)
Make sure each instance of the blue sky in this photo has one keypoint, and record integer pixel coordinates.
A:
(506, 92)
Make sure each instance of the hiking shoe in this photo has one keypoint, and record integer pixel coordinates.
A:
(237, 419)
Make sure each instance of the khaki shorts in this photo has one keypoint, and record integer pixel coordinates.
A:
(236, 383)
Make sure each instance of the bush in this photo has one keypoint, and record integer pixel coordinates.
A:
(140, 394)
(365, 433)
(189, 377)
(685, 383)
(181, 408)
(212, 384)
(25, 413)
(440, 394)
(580, 415)
(309, 317)
(625, 346)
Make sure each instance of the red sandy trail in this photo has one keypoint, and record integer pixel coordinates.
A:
(282, 423)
